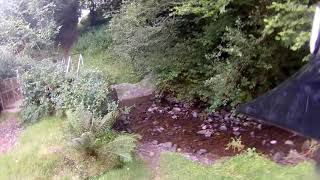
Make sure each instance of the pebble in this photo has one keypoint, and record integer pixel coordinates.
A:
(194, 114)
(176, 109)
(204, 127)
(174, 117)
(289, 142)
(151, 154)
(235, 128)
(154, 142)
(223, 128)
(166, 145)
(207, 133)
(201, 151)
(259, 126)
(273, 142)
(252, 134)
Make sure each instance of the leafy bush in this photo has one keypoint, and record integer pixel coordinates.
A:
(8, 64)
(220, 52)
(47, 88)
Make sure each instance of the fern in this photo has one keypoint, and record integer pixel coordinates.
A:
(122, 147)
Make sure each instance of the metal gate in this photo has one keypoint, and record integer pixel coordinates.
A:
(10, 92)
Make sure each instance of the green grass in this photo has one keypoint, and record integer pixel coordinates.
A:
(247, 166)
(94, 46)
(30, 159)
(135, 170)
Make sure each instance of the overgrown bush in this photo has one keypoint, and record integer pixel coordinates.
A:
(8, 64)
(220, 52)
(47, 89)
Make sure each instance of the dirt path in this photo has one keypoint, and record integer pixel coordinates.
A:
(8, 134)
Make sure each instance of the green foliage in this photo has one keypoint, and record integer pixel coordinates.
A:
(220, 52)
(8, 64)
(47, 88)
(235, 144)
(291, 22)
(94, 46)
(27, 25)
(95, 137)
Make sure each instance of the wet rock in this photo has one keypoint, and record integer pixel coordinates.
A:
(151, 154)
(252, 134)
(201, 152)
(203, 126)
(174, 117)
(166, 145)
(130, 94)
(207, 132)
(194, 114)
(289, 142)
(273, 142)
(176, 110)
(278, 156)
(209, 120)
(223, 128)
(259, 126)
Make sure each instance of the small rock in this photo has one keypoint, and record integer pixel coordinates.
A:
(207, 133)
(161, 111)
(278, 156)
(194, 114)
(155, 122)
(209, 120)
(151, 154)
(174, 117)
(166, 145)
(273, 142)
(235, 128)
(223, 128)
(154, 142)
(201, 151)
(176, 109)
(259, 126)
(179, 150)
(246, 124)
(171, 112)
(252, 134)
(289, 142)
(215, 125)
(204, 127)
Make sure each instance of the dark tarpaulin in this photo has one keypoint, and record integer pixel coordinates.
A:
(294, 104)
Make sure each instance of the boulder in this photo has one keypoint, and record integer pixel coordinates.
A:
(130, 94)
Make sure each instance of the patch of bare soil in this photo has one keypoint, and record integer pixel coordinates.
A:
(203, 138)
(8, 134)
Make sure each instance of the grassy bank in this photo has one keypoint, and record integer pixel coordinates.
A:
(247, 166)
(94, 46)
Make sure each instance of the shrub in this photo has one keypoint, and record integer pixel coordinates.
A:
(94, 136)
(8, 64)
(47, 88)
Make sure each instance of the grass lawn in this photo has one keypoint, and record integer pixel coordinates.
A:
(247, 166)
(29, 159)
